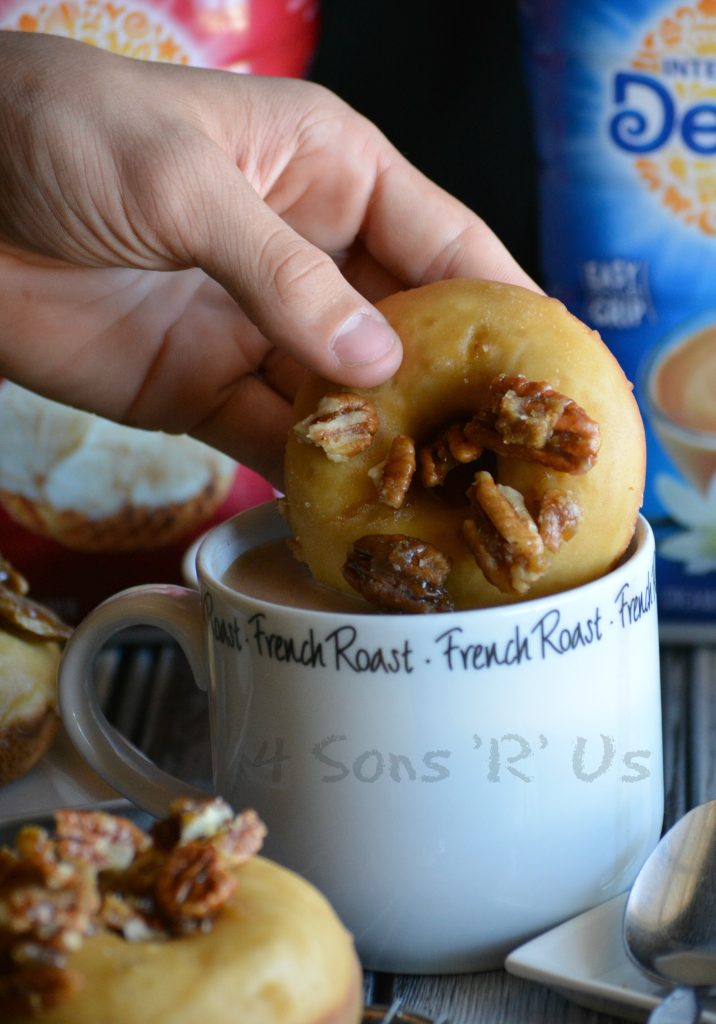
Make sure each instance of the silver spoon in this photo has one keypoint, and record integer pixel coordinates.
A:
(670, 915)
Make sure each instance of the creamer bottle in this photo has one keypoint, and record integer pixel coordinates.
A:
(624, 104)
(266, 37)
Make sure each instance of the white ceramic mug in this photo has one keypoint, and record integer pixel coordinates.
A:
(454, 783)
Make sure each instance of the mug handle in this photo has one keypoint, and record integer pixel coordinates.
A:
(177, 611)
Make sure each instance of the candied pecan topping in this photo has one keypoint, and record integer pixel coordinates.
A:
(393, 476)
(241, 839)
(190, 818)
(503, 536)
(37, 984)
(196, 880)
(461, 449)
(399, 573)
(55, 918)
(558, 518)
(193, 884)
(530, 420)
(21, 612)
(101, 871)
(521, 419)
(30, 617)
(130, 917)
(448, 450)
(46, 911)
(343, 425)
(35, 857)
(11, 578)
(97, 838)
(527, 410)
(238, 836)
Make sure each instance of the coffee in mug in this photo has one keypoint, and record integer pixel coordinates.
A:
(681, 402)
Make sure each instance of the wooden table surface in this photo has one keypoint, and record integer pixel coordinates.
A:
(148, 693)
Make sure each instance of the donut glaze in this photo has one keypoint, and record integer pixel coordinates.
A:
(28, 701)
(458, 336)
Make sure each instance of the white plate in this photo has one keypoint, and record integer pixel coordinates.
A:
(61, 779)
(584, 960)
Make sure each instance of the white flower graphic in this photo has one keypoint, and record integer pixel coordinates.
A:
(695, 546)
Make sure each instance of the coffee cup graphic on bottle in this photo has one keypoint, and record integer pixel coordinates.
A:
(680, 399)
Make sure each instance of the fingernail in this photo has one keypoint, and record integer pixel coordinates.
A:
(363, 339)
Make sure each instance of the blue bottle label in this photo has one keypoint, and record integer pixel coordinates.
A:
(624, 98)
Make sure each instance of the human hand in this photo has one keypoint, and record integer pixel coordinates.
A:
(282, 214)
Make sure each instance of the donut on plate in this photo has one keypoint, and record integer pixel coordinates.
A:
(102, 922)
(504, 460)
(31, 639)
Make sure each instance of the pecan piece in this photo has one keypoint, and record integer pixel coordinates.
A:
(54, 918)
(235, 837)
(399, 573)
(558, 518)
(104, 841)
(530, 420)
(503, 536)
(11, 578)
(343, 425)
(193, 884)
(29, 617)
(38, 983)
(139, 877)
(190, 819)
(131, 917)
(241, 839)
(527, 411)
(36, 859)
(448, 450)
(22, 612)
(393, 476)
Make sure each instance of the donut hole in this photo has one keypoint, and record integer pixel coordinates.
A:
(453, 492)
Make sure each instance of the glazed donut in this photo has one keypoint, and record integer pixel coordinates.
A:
(273, 953)
(28, 702)
(504, 460)
(31, 639)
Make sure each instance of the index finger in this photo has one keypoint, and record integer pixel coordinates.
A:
(420, 233)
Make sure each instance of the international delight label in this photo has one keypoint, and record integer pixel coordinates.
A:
(624, 99)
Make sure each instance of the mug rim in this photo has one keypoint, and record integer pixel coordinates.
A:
(642, 540)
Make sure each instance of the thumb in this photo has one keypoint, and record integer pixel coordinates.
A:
(292, 290)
